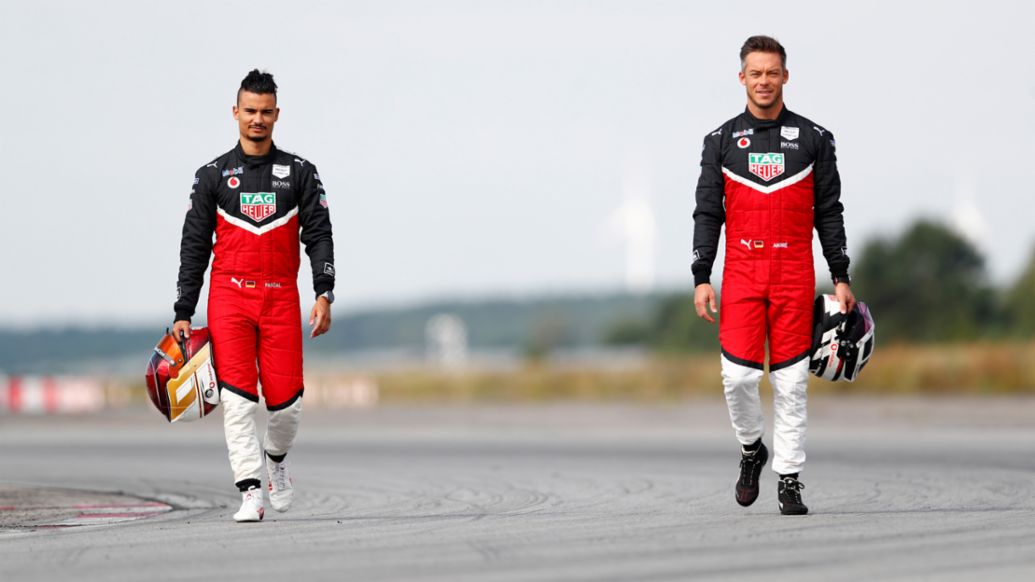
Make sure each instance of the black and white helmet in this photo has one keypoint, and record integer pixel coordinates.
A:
(841, 343)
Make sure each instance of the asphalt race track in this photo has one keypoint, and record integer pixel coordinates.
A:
(899, 490)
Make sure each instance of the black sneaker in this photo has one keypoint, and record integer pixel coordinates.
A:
(789, 493)
(751, 463)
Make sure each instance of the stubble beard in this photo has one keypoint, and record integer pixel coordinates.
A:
(777, 100)
(257, 138)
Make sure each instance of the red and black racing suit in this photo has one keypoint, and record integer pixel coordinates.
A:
(258, 207)
(770, 183)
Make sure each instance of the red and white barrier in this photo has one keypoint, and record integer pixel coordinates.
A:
(50, 395)
(45, 395)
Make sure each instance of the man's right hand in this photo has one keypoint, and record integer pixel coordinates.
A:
(704, 299)
(181, 326)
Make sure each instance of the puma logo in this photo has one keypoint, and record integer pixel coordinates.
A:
(821, 131)
(236, 281)
(746, 243)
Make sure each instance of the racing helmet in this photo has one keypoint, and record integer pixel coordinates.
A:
(181, 379)
(842, 343)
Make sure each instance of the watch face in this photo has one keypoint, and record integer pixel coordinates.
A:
(329, 295)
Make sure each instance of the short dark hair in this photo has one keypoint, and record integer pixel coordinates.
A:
(763, 44)
(259, 82)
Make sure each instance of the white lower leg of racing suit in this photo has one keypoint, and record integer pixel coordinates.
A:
(741, 387)
(790, 389)
(242, 442)
(789, 408)
(282, 428)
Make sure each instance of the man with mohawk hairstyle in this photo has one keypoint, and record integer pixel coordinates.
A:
(258, 201)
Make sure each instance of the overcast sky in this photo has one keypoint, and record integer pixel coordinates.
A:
(482, 147)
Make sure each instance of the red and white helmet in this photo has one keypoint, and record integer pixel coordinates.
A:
(181, 379)
(841, 343)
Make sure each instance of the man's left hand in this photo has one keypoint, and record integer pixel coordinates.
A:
(844, 296)
(320, 317)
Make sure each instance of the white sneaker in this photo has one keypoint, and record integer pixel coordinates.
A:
(281, 486)
(251, 506)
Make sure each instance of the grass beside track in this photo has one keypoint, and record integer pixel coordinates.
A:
(1000, 368)
(971, 369)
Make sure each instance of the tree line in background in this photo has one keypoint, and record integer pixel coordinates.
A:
(530, 327)
(927, 285)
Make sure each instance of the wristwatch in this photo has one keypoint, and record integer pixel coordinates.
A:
(329, 295)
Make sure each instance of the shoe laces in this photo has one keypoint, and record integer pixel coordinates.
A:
(747, 467)
(279, 477)
(792, 488)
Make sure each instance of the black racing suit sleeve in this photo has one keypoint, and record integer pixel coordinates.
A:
(315, 220)
(829, 212)
(196, 244)
(709, 213)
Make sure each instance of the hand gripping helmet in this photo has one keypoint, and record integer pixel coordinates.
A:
(181, 380)
(841, 343)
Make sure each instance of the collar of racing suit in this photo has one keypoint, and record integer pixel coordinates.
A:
(255, 160)
(766, 123)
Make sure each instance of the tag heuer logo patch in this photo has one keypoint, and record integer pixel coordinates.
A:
(281, 171)
(258, 206)
(765, 166)
(789, 133)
